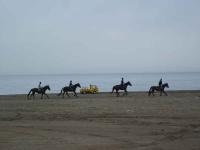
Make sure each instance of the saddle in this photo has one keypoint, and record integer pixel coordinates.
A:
(121, 86)
(39, 89)
(70, 87)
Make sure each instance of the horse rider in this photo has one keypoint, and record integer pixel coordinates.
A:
(39, 86)
(160, 83)
(122, 82)
(70, 83)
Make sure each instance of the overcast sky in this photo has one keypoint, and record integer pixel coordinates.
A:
(99, 36)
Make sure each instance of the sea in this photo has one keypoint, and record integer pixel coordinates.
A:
(21, 84)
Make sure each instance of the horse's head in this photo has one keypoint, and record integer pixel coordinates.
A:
(48, 87)
(78, 85)
(129, 83)
(166, 85)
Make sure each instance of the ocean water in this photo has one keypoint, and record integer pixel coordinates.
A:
(21, 84)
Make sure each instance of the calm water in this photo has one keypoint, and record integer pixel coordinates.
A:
(21, 84)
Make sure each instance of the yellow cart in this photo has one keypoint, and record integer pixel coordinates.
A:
(92, 89)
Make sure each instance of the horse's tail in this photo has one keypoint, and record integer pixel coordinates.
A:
(150, 91)
(113, 89)
(29, 93)
(60, 92)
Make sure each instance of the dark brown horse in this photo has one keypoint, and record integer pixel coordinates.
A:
(121, 87)
(42, 91)
(67, 89)
(161, 89)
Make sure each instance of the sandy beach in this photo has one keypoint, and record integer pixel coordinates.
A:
(101, 122)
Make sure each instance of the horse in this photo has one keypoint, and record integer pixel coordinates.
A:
(42, 91)
(67, 89)
(121, 87)
(158, 88)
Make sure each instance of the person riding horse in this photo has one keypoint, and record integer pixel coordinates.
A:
(67, 89)
(70, 84)
(39, 90)
(122, 87)
(122, 82)
(39, 86)
(160, 83)
(161, 88)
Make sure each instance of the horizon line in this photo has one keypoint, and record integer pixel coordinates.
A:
(104, 73)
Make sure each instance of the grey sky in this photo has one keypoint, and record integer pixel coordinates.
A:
(94, 36)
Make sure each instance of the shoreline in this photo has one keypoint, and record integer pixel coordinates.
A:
(101, 93)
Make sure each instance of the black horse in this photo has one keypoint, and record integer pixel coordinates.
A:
(42, 91)
(122, 87)
(67, 89)
(158, 88)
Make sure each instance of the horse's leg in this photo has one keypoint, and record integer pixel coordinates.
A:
(153, 92)
(117, 92)
(75, 94)
(67, 94)
(33, 95)
(125, 93)
(41, 95)
(46, 95)
(165, 93)
(161, 92)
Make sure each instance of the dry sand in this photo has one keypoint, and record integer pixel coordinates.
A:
(101, 122)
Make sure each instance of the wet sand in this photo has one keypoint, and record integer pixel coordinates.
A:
(101, 122)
